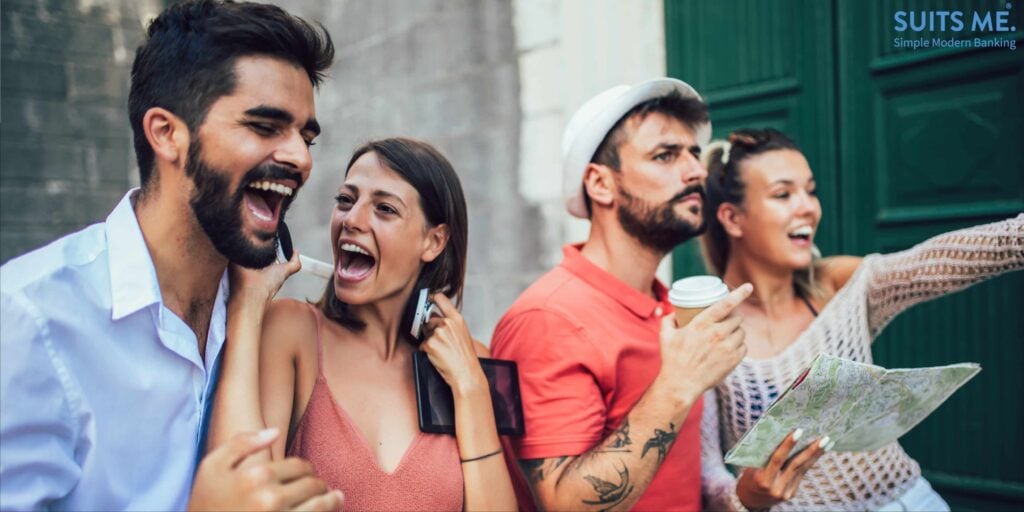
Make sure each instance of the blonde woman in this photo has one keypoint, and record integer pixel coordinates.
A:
(762, 217)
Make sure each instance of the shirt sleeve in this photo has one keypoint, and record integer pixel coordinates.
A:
(559, 375)
(944, 264)
(38, 435)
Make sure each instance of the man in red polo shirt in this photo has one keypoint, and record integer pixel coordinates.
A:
(611, 387)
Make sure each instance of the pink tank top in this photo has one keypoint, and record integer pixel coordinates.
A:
(429, 476)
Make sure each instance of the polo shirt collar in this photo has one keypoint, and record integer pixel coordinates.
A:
(641, 304)
(133, 281)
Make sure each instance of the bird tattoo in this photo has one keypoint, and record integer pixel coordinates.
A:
(660, 442)
(608, 493)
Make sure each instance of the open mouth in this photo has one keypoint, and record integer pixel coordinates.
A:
(801, 234)
(693, 197)
(264, 199)
(354, 263)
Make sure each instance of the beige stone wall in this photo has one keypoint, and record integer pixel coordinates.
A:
(569, 51)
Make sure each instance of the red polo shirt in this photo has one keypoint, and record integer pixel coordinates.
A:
(587, 346)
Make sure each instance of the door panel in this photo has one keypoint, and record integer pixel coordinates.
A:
(755, 70)
(930, 141)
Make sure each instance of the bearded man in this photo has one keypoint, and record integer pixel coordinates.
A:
(111, 335)
(611, 387)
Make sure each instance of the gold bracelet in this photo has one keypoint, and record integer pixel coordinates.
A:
(492, 454)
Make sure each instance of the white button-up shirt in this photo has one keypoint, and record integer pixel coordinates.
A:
(102, 388)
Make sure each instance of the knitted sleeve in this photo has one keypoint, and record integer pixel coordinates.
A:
(941, 265)
(718, 486)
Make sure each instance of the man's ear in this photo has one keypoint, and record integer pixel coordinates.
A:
(167, 134)
(437, 240)
(599, 184)
(731, 218)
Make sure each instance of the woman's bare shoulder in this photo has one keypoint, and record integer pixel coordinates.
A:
(290, 325)
(836, 271)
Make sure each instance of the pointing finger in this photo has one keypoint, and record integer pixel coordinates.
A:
(721, 309)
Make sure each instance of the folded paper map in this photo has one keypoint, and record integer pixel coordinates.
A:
(861, 406)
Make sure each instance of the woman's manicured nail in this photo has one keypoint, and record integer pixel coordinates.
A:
(797, 434)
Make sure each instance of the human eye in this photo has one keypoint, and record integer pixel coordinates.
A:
(665, 156)
(344, 201)
(387, 209)
(262, 129)
(309, 137)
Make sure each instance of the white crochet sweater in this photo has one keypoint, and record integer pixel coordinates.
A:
(882, 287)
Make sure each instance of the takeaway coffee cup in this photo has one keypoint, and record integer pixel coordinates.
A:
(692, 294)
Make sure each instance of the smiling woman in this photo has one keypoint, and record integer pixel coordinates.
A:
(337, 376)
(763, 213)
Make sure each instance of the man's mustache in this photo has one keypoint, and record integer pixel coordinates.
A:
(692, 189)
(271, 172)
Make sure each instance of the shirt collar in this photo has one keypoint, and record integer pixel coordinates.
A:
(218, 321)
(133, 281)
(641, 304)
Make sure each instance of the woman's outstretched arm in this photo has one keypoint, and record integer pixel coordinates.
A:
(942, 265)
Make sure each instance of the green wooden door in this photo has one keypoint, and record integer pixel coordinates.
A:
(905, 143)
(741, 56)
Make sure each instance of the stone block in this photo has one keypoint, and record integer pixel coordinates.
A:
(33, 79)
(540, 168)
(542, 76)
(56, 202)
(92, 82)
(536, 23)
(32, 161)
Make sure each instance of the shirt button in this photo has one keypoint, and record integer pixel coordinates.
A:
(657, 311)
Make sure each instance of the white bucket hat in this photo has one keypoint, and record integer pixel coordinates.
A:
(592, 122)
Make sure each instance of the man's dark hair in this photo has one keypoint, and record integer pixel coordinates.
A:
(188, 58)
(688, 110)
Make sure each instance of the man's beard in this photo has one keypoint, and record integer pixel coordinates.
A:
(220, 213)
(658, 227)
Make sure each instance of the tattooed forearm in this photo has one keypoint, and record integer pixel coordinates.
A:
(609, 494)
(536, 469)
(619, 439)
(604, 477)
(661, 441)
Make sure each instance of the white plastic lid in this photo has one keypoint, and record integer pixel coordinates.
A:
(697, 292)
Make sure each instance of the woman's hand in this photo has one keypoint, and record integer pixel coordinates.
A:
(256, 288)
(778, 481)
(450, 349)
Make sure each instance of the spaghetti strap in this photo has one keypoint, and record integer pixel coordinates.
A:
(319, 342)
(806, 301)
